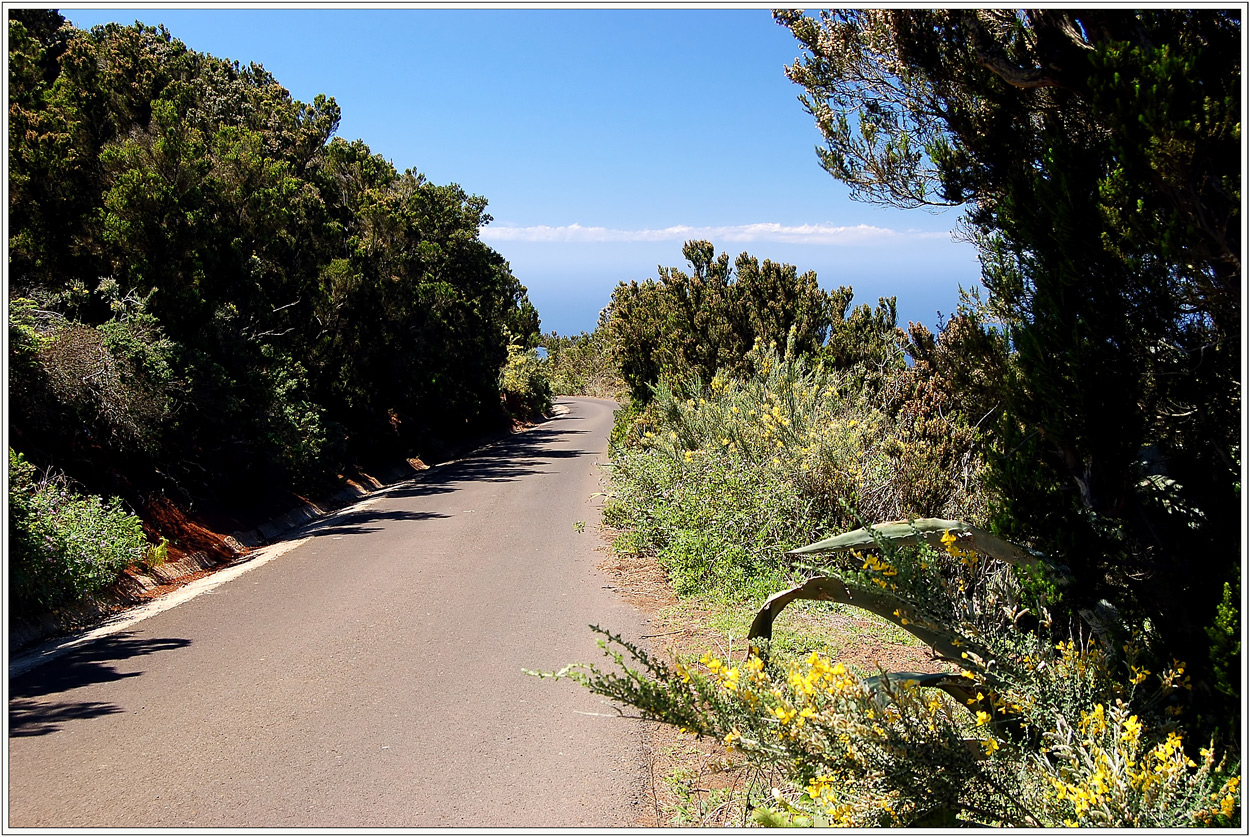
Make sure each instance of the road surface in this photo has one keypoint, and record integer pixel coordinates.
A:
(369, 677)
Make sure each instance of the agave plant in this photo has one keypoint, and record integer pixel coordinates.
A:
(958, 645)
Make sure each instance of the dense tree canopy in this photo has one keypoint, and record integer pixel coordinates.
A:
(1097, 155)
(205, 282)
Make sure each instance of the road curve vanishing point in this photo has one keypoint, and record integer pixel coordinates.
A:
(369, 677)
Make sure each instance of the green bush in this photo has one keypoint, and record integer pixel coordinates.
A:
(64, 546)
(524, 384)
(114, 379)
(721, 483)
(582, 365)
(295, 428)
(694, 325)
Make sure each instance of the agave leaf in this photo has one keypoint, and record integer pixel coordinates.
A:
(946, 644)
(930, 530)
(954, 685)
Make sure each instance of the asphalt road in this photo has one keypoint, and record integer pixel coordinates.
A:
(371, 676)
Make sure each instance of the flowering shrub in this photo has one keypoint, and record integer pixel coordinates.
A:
(1019, 731)
(718, 481)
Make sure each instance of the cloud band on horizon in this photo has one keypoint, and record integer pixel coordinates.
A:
(860, 234)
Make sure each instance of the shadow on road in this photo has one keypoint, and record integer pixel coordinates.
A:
(356, 523)
(30, 713)
(31, 717)
(512, 459)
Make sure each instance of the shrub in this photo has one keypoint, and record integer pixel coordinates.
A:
(64, 546)
(694, 325)
(293, 425)
(114, 380)
(1029, 732)
(524, 384)
(582, 365)
(720, 483)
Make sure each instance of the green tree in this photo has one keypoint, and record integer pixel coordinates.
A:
(1097, 155)
(216, 298)
(708, 320)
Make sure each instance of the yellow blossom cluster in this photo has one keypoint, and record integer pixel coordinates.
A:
(835, 449)
(967, 557)
(1079, 661)
(1103, 776)
(824, 709)
(1112, 766)
(1226, 803)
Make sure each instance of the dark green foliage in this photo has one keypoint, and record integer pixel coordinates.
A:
(206, 283)
(1225, 635)
(869, 340)
(111, 385)
(684, 327)
(1097, 153)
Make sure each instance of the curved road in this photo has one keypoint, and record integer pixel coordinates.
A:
(369, 677)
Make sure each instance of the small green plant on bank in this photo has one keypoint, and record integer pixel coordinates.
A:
(1021, 731)
(157, 554)
(63, 546)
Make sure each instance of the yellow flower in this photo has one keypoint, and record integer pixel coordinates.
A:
(990, 745)
(983, 718)
(1132, 729)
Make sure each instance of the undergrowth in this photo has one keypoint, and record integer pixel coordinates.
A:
(64, 546)
(720, 480)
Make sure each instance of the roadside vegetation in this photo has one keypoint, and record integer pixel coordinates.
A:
(1043, 493)
(581, 364)
(63, 545)
(215, 302)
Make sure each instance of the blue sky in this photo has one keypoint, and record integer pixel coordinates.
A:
(602, 139)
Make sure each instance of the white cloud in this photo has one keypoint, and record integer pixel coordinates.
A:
(861, 234)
